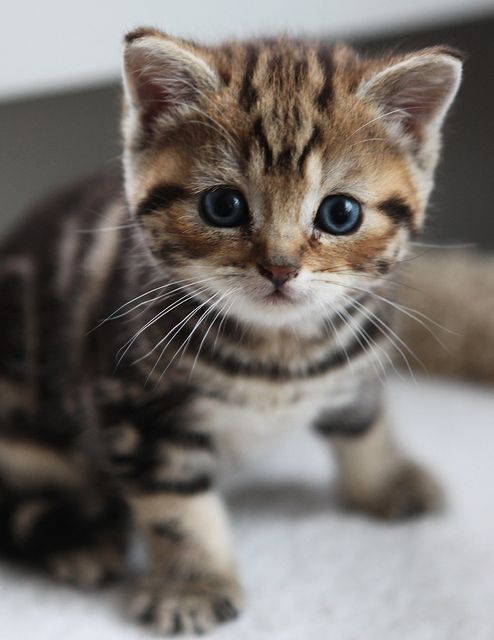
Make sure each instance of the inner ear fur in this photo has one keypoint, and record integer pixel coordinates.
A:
(413, 94)
(164, 76)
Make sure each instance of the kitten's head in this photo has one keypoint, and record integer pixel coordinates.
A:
(282, 176)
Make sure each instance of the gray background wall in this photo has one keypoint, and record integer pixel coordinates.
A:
(51, 140)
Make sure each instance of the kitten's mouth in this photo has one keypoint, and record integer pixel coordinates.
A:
(278, 296)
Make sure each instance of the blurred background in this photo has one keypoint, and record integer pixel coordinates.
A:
(60, 95)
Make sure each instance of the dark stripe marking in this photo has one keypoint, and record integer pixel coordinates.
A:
(383, 267)
(311, 144)
(161, 197)
(285, 158)
(397, 210)
(225, 66)
(300, 71)
(187, 439)
(275, 67)
(168, 529)
(336, 359)
(248, 93)
(260, 136)
(323, 99)
(297, 116)
(181, 487)
(350, 429)
(351, 422)
(178, 626)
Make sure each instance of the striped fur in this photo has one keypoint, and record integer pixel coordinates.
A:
(142, 345)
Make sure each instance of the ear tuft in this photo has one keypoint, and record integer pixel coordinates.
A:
(163, 76)
(414, 94)
(449, 51)
(141, 32)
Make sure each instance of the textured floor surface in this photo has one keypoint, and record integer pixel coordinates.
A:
(312, 572)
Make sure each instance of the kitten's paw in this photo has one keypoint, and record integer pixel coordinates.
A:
(88, 567)
(193, 607)
(411, 491)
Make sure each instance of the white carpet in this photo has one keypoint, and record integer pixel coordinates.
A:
(312, 572)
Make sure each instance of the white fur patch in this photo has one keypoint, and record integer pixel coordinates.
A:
(260, 411)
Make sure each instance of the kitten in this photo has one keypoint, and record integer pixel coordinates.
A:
(235, 291)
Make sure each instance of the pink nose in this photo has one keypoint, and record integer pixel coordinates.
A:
(278, 274)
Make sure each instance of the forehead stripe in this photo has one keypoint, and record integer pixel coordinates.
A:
(323, 100)
(260, 136)
(161, 197)
(300, 72)
(311, 144)
(248, 93)
(284, 159)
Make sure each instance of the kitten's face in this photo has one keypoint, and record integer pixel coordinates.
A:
(277, 182)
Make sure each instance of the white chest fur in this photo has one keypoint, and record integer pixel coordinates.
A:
(251, 413)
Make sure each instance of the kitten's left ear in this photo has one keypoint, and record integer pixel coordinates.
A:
(413, 96)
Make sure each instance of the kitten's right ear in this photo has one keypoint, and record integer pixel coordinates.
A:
(163, 77)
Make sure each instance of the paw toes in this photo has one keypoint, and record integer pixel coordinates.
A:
(224, 610)
(142, 607)
(169, 621)
(183, 610)
(186, 616)
(411, 492)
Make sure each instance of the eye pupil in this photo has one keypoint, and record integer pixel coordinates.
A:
(339, 215)
(342, 211)
(224, 207)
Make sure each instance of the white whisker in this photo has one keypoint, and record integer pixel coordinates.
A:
(222, 323)
(391, 335)
(380, 117)
(173, 332)
(337, 336)
(369, 348)
(207, 332)
(121, 354)
(183, 347)
(365, 312)
(115, 314)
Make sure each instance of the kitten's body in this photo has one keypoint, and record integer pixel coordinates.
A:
(142, 345)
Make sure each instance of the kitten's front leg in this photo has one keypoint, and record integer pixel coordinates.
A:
(192, 583)
(375, 475)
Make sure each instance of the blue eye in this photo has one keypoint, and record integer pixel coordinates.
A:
(339, 215)
(224, 207)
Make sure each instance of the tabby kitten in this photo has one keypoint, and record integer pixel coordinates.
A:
(236, 290)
